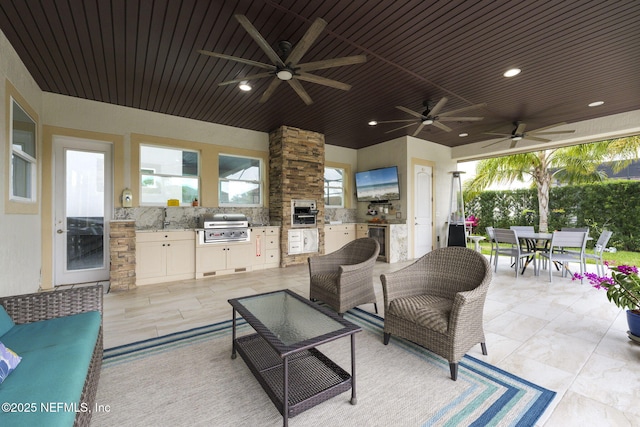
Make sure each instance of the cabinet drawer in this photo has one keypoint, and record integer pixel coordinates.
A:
(271, 256)
(272, 242)
(160, 236)
(340, 227)
(273, 231)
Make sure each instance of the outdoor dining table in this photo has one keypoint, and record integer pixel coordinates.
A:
(530, 240)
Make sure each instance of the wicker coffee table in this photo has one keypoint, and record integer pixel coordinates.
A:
(282, 354)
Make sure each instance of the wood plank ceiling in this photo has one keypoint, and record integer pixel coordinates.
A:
(142, 54)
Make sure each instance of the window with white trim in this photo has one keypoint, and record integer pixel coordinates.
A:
(240, 181)
(23, 155)
(168, 173)
(334, 187)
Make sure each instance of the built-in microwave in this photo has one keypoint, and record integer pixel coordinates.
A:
(303, 213)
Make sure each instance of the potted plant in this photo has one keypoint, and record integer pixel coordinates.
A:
(623, 289)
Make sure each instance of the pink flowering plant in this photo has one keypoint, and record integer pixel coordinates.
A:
(623, 286)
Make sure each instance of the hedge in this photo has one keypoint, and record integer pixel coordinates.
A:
(611, 205)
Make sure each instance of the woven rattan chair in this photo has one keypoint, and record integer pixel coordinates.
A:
(343, 279)
(438, 301)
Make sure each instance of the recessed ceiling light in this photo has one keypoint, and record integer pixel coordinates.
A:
(373, 123)
(244, 86)
(463, 134)
(512, 72)
(596, 104)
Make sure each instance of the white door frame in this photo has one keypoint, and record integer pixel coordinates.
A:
(61, 275)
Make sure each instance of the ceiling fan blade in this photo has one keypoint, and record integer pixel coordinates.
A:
(460, 110)
(270, 89)
(295, 84)
(237, 59)
(520, 128)
(459, 119)
(436, 108)
(246, 78)
(306, 41)
(496, 134)
(401, 127)
(398, 121)
(255, 35)
(419, 129)
(322, 81)
(406, 110)
(558, 132)
(535, 138)
(513, 143)
(441, 126)
(496, 142)
(330, 63)
(547, 127)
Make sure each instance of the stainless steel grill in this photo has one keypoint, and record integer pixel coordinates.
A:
(224, 228)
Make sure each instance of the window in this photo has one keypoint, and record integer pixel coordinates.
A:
(23, 155)
(334, 187)
(168, 173)
(239, 180)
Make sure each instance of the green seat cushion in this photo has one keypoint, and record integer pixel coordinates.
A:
(56, 354)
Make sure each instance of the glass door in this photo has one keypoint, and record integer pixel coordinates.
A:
(83, 206)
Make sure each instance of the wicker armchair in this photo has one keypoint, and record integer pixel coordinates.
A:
(437, 302)
(344, 279)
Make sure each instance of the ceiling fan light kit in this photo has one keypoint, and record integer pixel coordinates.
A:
(518, 134)
(284, 75)
(244, 86)
(433, 117)
(292, 71)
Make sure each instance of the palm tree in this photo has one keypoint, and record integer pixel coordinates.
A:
(570, 165)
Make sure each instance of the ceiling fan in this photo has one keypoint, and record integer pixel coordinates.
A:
(519, 134)
(433, 116)
(287, 66)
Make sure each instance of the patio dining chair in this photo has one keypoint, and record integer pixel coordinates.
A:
(598, 251)
(507, 243)
(493, 243)
(560, 254)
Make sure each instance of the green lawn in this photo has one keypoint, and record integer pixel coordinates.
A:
(616, 258)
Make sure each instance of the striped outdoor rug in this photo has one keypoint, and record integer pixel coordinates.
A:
(188, 378)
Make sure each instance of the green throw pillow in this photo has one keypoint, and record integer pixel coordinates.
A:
(6, 322)
(8, 362)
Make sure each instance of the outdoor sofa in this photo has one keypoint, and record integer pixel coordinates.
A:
(58, 335)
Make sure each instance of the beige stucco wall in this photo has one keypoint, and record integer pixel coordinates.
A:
(19, 233)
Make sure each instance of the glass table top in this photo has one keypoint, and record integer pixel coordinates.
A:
(289, 318)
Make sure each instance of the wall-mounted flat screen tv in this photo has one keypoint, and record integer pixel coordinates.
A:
(378, 185)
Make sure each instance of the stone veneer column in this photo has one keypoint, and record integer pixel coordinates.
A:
(296, 171)
(122, 250)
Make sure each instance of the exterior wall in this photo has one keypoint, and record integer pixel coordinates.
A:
(443, 165)
(19, 233)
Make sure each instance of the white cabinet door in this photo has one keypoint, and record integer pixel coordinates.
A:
(150, 260)
(181, 257)
(239, 256)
